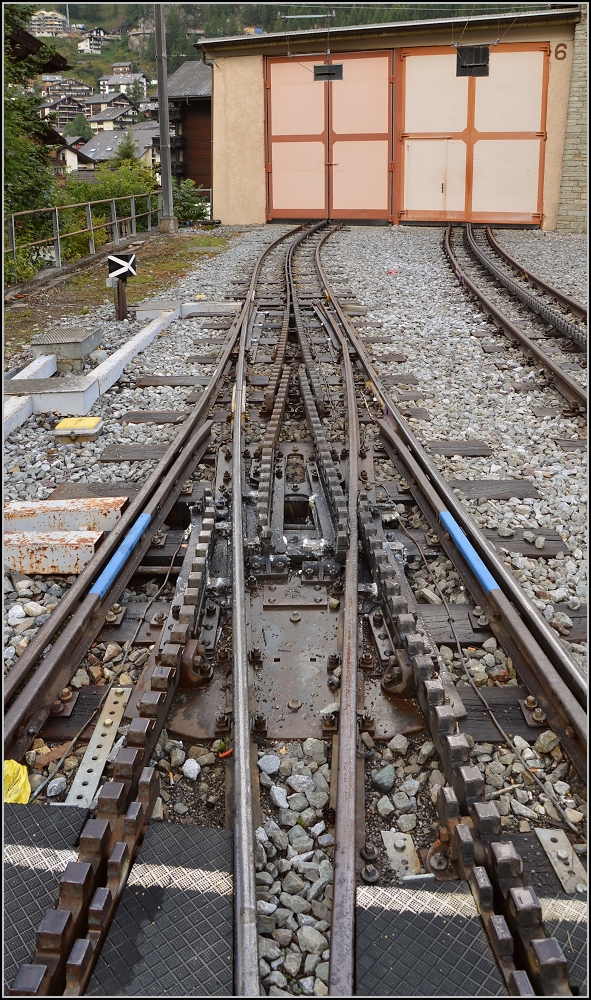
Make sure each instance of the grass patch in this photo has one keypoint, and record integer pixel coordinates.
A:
(161, 261)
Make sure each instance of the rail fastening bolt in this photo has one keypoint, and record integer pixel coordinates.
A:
(538, 715)
(530, 702)
(370, 874)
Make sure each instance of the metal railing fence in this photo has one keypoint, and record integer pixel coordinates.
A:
(116, 225)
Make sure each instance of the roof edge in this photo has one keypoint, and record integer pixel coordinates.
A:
(570, 13)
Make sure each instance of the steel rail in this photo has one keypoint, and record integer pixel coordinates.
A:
(341, 977)
(558, 320)
(246, 961)
(538, 673)
(566, 385)
(246, 965)
(544, 635)
(565, 300)
(77, 606)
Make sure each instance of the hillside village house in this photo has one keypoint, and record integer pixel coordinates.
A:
(67, 158)
(113, 118)
(103, 146)
(66, 107)
(94, 104)
(48, 24)
(122, 78)
(56, 86)
(90, 46)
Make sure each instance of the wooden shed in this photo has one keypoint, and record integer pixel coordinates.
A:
(422, 121)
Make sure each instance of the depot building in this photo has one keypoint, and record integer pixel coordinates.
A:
(457, 120)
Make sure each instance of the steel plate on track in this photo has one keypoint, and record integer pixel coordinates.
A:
(173, 931)
(38, 844)
(425, 941)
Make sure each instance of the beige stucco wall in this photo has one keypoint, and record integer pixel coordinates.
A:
(239, 178)
(572, 206)
(558, 90)
(238, 103)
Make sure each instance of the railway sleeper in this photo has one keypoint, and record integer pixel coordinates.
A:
(470, 826)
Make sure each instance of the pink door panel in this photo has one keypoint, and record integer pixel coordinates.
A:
(360, 176)
(298, 177)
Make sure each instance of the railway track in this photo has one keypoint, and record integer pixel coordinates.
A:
(293, 625)
(527, 319)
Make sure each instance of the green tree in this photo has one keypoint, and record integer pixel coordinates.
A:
(28, 177)
(135, 92)
(79, 126)
(126, 151)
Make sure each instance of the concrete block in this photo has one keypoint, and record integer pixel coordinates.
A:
(152, 308)
(69, 346)
(87, 514)
(48, 552)
(20, 408)
(109, 371)
(229, 309)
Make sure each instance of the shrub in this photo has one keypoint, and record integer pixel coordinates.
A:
(188, 206)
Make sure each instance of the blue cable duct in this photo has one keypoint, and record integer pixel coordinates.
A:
(469, 553)
(120, 557)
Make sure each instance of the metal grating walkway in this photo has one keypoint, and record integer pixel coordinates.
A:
(38, 844)
(173, 931)
(425, 941)
(565, 918)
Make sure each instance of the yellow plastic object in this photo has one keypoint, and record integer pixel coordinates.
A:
(78, 424)
(73, 429)
(201, 296)
(16, 782)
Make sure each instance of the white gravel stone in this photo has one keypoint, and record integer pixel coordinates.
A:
(56, 787)
(278, 796)
(269, 763)
(191, 769)
(399, 744)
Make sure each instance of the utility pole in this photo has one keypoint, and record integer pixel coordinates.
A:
(168, 223)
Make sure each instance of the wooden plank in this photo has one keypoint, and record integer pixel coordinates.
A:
(389, 492)
(408, 397)
(209, 341)
(126, 630)
(494, 489)
(217, 324)
(504, 702)
(74, 491)
(572, 444)
(398, 359)
(545, 411)
(552, 546)
(416, 412)
(172, 380)
(133, 453)
(493, 348)
(450, 448)
(258, 380)
(400, 380)
(203, 359)
(578, 616)
(437, 624)
(521, 386)
(58, 730)
(154, 417)
(375, 340)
